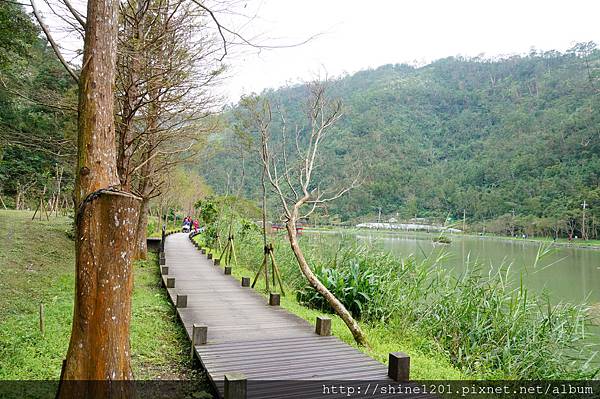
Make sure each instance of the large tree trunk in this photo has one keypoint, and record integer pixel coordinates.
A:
(99, 345)
(335, 304)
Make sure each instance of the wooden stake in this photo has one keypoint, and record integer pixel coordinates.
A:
(42, 319)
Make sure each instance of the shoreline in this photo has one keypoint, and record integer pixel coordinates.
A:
(579, 244)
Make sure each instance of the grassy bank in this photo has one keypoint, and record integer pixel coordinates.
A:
(37, 263)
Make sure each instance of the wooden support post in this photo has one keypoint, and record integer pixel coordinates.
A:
(199, 334)
(209, 256)
(181, 301)
(162, 261)
(227, 269)
(235, 386)
(42, 319)
(274, 299)
(323, 326)
(245, 281)
(217, 261)
(170, 282)
(203, 251)
(164, 270)
(399, 366)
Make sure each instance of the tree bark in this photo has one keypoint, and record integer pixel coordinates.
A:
(105, 217)
(336, 305)
(141, 248)
(99, 347)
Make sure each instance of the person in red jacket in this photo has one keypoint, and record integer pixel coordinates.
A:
(196, 225)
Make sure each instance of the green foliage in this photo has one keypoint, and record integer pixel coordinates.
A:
(485, 136)
(37, 109)
(208, 210)
(353, 285)
(38, 267)
(488, 328)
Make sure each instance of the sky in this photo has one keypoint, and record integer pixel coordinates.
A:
(349, 35)
(355, 35)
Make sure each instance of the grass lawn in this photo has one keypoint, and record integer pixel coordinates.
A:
(427, 361)
(37, 265)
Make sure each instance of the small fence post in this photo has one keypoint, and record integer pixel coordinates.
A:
(245, 281)
(274, 299)
(181, 301)
(323, 326)
(227, 270)
(170, 282)
(399, 366)
(235, 386)
(199, 336)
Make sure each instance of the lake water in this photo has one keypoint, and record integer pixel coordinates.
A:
(568, 274)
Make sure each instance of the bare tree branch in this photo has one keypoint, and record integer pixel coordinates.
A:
(52, 42)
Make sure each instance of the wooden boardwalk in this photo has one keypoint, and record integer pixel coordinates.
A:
(246, 335)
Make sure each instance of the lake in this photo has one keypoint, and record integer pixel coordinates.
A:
(567, 273)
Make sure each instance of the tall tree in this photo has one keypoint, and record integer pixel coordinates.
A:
(105, 217)
(166, 68)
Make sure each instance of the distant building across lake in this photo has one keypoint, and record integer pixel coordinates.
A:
(407, 227)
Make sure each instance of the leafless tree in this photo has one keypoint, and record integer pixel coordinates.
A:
(292, 177)
(166, 70)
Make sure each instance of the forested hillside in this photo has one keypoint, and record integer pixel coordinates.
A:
(496, 138)
(38, 110)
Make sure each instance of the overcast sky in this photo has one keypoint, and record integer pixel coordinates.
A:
(356, 35)
(352, 35)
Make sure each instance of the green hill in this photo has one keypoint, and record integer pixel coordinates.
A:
(486, 136)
